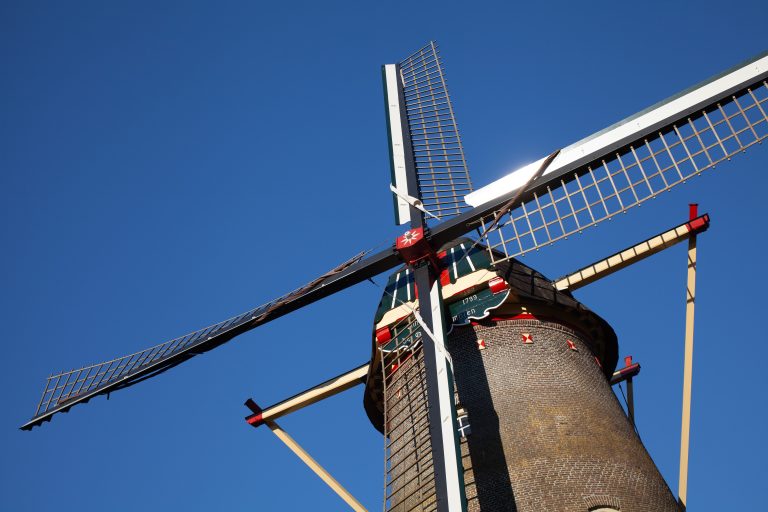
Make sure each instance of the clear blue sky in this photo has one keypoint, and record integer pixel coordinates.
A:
(166, 165)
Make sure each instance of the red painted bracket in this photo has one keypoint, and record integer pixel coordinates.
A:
(254, 419)
(630, 370)
(498, 285)
(698, 224)
(383, 335)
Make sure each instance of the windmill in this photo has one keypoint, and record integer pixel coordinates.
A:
(709, 115)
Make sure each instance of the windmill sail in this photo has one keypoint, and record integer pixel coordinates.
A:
(66, 389)
(631, 161)
(422, 125)
(587, 182)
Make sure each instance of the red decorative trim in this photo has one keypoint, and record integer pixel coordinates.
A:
(254, 419)
(625, 373)
(481, 344)
(597, 360)
(572, 345)
(527, 338)
(445, 277)
(497, 285)
(628, 369)
(698, 224)
(383, 335)
(529, 316)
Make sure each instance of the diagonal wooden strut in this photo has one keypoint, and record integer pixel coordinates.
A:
(321, 391)
(315, 467)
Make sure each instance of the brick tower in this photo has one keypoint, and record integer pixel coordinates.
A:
(541, 427)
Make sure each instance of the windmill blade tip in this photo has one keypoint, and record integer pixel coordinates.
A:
(28, 426)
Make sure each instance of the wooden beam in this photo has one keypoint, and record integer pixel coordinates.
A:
(622, 259)
(322, 391)
(625, 373)
(315, 467)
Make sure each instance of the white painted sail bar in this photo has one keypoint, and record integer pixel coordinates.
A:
(628, 130)
(396, 148)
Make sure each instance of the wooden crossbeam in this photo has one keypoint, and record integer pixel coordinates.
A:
(622, 259)
(322, 391)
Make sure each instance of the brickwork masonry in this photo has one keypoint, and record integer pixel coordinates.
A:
(547, 432)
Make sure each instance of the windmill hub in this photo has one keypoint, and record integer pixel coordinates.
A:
(414, 248)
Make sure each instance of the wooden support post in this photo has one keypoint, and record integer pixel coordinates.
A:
(682, 489)
(314, 466)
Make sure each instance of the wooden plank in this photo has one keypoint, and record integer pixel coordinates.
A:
(638, 252)
(322, 391)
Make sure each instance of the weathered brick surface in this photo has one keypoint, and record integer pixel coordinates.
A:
(548, 434)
